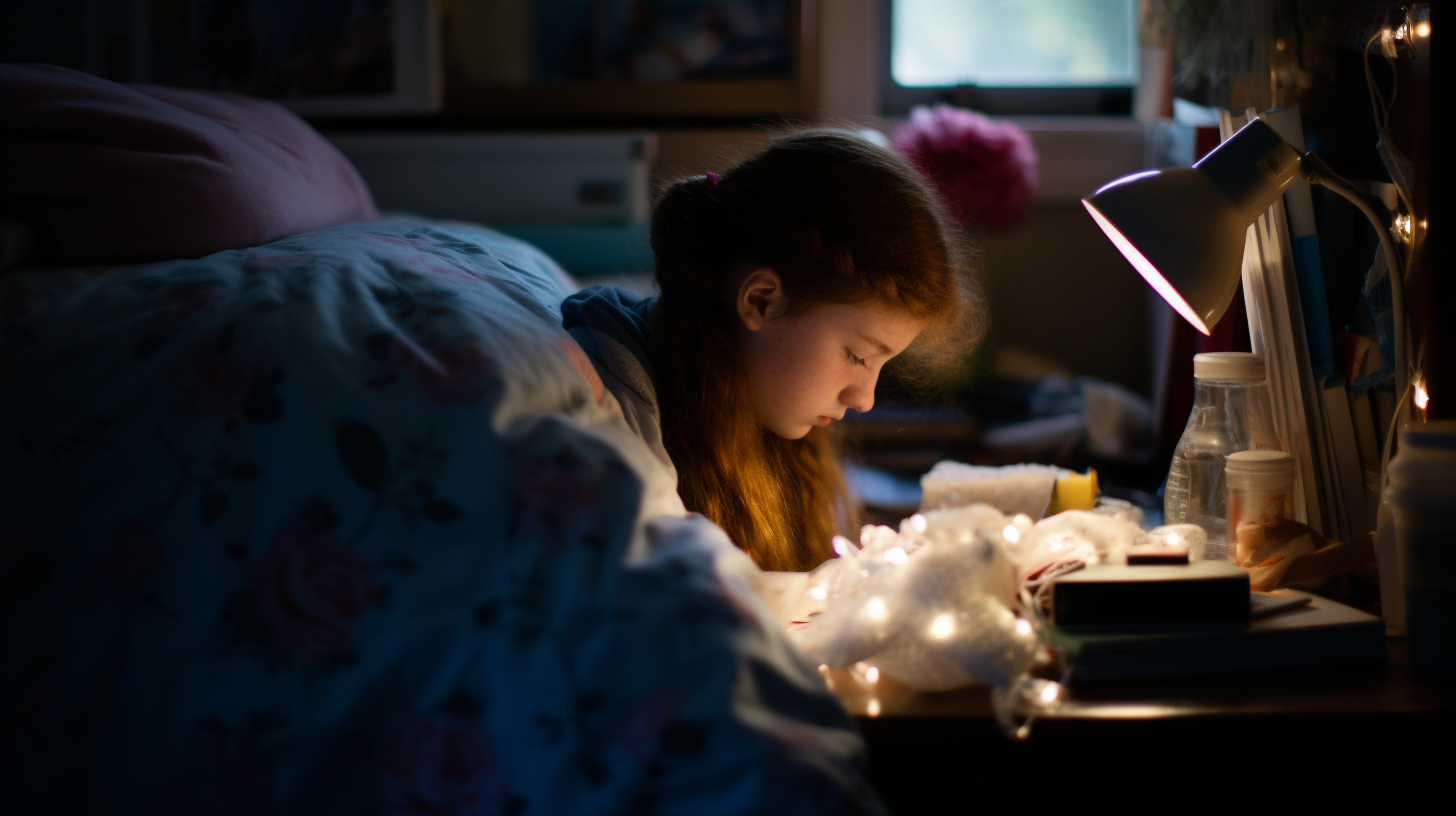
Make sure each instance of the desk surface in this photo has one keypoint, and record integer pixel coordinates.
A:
(926, 748)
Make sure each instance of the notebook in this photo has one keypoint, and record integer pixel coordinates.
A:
(1322, 632)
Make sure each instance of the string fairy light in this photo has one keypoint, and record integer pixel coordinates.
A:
(942, 627)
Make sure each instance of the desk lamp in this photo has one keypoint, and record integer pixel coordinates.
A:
(1183, 229)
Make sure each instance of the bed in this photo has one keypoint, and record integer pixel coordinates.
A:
(341, 522)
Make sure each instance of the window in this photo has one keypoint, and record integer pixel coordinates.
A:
(1011, 56)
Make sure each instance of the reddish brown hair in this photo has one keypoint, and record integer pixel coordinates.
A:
(841, 220)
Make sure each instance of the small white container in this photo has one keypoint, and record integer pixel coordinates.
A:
(1259, 486)
(1421, 496)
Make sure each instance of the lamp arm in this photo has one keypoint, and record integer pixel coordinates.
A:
(1315, 171)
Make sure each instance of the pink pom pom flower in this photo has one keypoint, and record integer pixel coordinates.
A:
(984, 170)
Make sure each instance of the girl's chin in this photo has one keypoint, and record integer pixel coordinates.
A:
(792, 431)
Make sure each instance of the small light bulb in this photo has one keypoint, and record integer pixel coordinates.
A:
(895, 555)
(1423, 29)
(819, 593)
(872, 708)
(1011, 533)
(876, 609)
(1049, 694)
(872, 674)
(942, 627)
(1422, 398)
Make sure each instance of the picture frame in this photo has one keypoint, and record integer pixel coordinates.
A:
(492, 76)
(321, 60)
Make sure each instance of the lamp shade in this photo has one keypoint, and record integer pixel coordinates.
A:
(1183, 229)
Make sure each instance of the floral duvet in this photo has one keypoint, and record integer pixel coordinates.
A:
(339, 524)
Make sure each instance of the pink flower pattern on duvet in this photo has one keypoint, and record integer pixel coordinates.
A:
(311, 528)
(311, 594)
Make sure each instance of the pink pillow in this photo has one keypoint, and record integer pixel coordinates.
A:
(106, 173)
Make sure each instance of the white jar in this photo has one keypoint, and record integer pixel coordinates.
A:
(1421, 495)
(1260, 483)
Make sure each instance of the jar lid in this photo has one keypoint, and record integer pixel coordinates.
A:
(1265, 467)
(1437, 434)
(1228, 365)
(1424, 463)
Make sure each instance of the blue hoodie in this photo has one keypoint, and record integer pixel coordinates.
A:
(612, 325)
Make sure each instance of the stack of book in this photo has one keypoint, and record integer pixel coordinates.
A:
(1332, 401)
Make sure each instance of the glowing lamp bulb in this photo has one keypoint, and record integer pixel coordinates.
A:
(872, 708)
(1423, 29)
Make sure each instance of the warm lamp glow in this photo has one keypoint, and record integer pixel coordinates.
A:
(1423, 29)
(1422, 398)
(1145, 268)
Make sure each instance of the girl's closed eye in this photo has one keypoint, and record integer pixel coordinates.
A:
(859, 361)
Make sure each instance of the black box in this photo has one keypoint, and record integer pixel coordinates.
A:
(1197, 594)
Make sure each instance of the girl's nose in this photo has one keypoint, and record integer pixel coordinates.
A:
(859, 397)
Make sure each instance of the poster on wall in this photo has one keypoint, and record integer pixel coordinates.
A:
(320, 58)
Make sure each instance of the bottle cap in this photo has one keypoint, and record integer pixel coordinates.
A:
(1260, 470)
(1228, 365)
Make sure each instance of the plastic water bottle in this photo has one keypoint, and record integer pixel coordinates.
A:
(1231, 413)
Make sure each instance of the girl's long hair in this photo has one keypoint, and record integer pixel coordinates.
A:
(841, 220)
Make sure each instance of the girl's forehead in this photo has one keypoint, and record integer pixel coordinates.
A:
(884, 328)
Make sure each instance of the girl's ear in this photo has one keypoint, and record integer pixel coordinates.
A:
(760, 298)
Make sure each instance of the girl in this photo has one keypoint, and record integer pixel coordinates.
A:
(787, 284)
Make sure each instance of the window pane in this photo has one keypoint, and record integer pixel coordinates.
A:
(1014, 43)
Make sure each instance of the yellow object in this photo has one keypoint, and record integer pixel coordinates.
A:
(1075, 491)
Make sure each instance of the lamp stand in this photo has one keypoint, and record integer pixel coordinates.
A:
(1315, 171)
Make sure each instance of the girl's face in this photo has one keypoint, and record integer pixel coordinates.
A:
(807, 369)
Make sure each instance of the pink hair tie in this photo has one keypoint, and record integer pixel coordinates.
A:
(713, 179)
